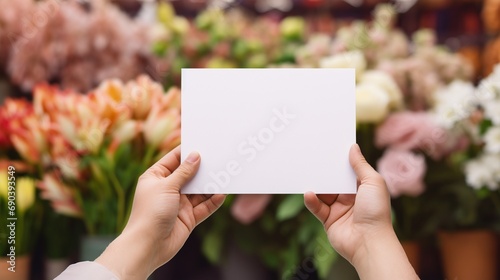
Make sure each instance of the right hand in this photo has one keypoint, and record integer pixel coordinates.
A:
(359, 225)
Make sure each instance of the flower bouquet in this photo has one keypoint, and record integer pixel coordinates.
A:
(89, 150)
(100, 143)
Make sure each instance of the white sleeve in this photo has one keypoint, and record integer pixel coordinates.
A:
(85, 271)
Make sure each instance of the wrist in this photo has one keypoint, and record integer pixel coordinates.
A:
(129, 256)
(381, 256)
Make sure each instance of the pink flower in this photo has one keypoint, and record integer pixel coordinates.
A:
(403, 172)
(248, 207)
(415, 130)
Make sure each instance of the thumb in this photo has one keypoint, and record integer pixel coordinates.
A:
(184, 172)
(364, 171)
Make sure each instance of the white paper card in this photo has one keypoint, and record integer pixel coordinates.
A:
(269, 130)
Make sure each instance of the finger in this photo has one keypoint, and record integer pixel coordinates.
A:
(167, 164)
(328, 199)
(317, 207)
(364, 171)
(196, 199)
(184, 172)
(207, 207)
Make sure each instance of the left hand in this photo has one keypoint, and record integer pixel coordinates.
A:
(161, 219)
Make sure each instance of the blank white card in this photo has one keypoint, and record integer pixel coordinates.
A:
(269, 130)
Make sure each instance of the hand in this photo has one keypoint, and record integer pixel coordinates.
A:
(161, 218)
(246, 208)
(359, 225)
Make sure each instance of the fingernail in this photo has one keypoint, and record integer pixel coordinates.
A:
(193, 157)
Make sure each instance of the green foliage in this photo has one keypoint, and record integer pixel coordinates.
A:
(290, 207)
(212, 246)
(324, 255)
(484, 126)
(448, 203)
(283, 244)
(57, 245)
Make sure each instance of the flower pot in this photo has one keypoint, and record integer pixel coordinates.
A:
(469, 255)
(413, 250)
(91, 247)
(22, 268)
(54, 267)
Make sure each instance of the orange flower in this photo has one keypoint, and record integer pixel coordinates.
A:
(140, 95)
(171, 141)
(60, 195)
(108, 102)
(172, 99)
(28, 135)
(45, 100)
(11, 109)
(82, 127)
(160, 125)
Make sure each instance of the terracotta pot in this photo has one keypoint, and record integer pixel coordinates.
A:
(469, 255)
(413, 252)
(54, 267)
(22, 268)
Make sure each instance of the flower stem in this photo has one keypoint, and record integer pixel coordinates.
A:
(121, 202)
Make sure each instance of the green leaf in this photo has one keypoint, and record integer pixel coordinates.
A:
(483, 193)
(212, 246)
(484, 126)
(291, 257)
(290, 207)
(324, 255)
(308, 229)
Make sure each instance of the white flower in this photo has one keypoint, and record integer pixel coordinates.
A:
(352, 59)
(478, 174)
(372, 103)
(492, 111)
(387, 83)
(492, 140)
(454, 103)
(487, 90)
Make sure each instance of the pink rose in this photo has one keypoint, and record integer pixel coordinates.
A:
(415, 130)
(248, 207)
(403, 172)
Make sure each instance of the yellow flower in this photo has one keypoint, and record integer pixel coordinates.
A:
(3, 184)
(25, 193)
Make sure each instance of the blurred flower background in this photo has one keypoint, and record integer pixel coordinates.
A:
(90, 97)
